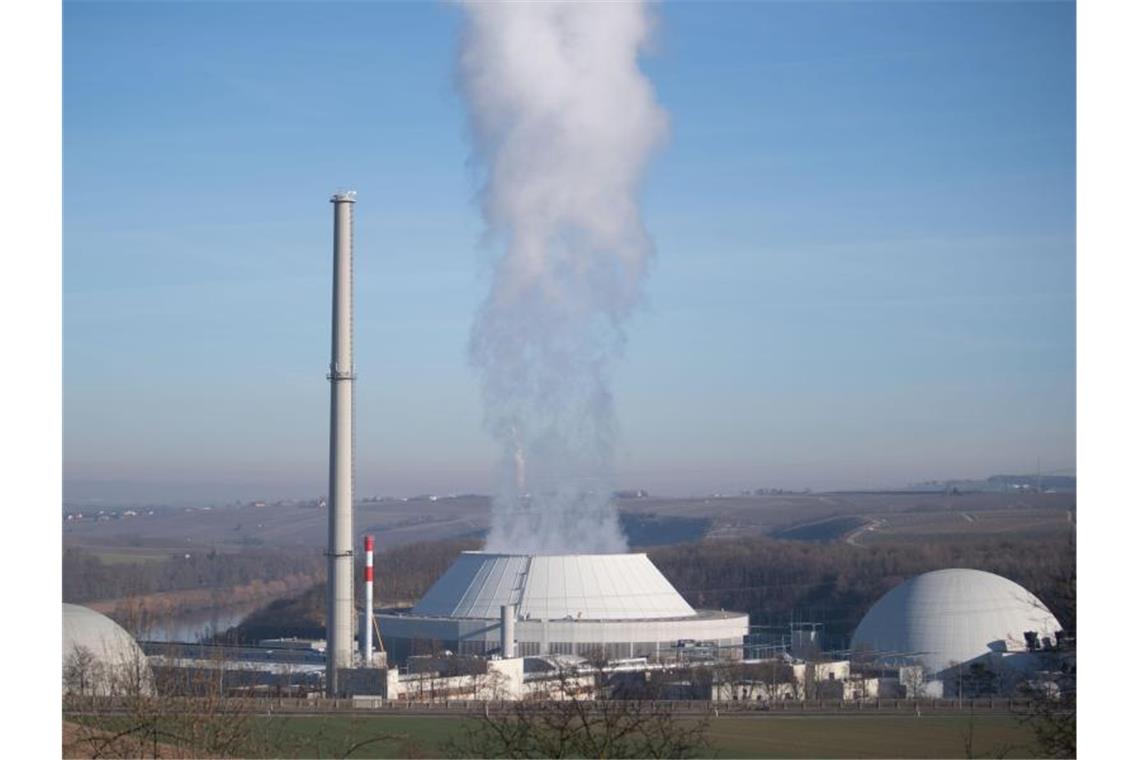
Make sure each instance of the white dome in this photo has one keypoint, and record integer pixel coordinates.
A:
(99, 656)
(951, 617)
(554, 587)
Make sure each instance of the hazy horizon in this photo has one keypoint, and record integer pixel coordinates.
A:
(217, 493)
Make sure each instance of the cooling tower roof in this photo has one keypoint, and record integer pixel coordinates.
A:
(954, 616)
(554, 587)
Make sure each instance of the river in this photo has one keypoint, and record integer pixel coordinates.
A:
(192, 627)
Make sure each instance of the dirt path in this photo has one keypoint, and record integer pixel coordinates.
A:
(853, 537)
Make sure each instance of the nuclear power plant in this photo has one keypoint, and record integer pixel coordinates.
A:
(608, 606)
(522, 615)
(511, 625)
(617, 610)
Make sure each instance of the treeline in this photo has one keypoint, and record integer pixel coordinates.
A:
(403, 575)
(774, 581)
(87, 578)
(836, 583)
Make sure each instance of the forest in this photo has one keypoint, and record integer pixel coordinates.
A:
(88, 578)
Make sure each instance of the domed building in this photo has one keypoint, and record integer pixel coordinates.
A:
(955, 617)
(100, 657)
(615, 606)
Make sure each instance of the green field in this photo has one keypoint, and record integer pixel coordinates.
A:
(335, 736)
(870, 736)
(746, 736)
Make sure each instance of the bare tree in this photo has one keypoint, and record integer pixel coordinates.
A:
(136, 715)
(82, 672)
(1051, 709)
(576, 724)
(912, 677)
(1052, 715)
(969, 742)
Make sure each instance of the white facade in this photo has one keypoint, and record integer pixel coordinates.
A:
(872, 688)
(952, 617)
(502, 681)
(613, 605)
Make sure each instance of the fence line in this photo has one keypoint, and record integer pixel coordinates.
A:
(377, 705)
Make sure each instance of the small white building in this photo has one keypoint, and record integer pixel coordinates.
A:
(502, 680)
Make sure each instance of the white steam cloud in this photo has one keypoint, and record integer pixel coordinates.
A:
(564, 123)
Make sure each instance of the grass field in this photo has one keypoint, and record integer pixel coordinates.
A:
(893, 736)
(870, 736)
(958, 525)
(334, 736)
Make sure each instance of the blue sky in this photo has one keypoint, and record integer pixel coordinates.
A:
(864, 222)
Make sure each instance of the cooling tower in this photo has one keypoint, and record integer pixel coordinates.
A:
(614, 606)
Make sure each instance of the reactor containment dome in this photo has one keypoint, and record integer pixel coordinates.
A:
(611, 605)
(954, 617)
(100, 658)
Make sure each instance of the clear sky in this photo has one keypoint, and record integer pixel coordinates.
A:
(864, 222)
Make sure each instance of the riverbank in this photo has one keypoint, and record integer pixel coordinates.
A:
(160, 615)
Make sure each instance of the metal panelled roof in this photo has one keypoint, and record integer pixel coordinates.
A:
(578, 586)
(953, 616)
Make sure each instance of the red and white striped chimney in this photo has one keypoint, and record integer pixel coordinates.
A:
(369, 544)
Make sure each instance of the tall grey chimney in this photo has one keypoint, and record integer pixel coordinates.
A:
(338, 649)
(507, 631)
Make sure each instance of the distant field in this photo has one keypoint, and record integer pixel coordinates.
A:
(831, 529)
(648, 521)
(965, 523)
(127, 556)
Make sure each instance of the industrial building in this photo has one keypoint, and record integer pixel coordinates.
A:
(602, 607)
(597, 606)
(959, 621)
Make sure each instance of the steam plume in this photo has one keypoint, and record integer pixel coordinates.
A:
(564, 123)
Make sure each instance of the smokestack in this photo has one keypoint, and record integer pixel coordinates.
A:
(338, 650)
(507, 631)
(366, 634)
